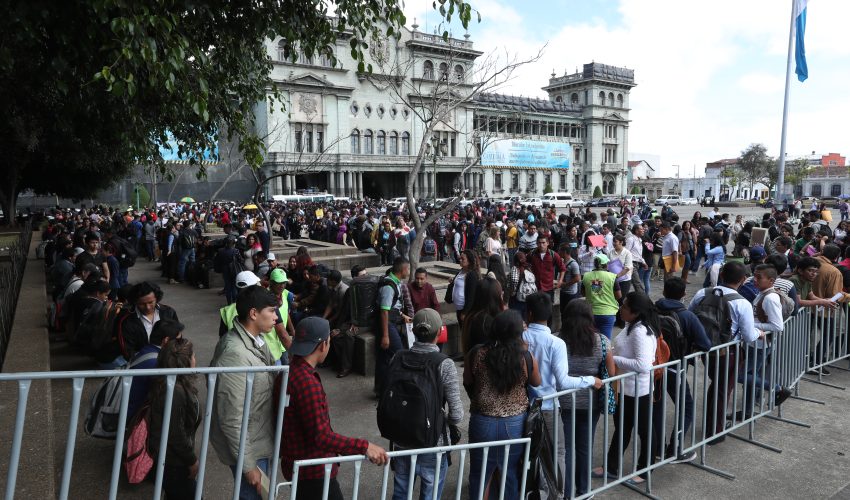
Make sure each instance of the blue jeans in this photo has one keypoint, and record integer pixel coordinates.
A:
(700, 255)
(186, 255)
(605, 324)
(517, 306)
(246, 491)
(585, 428)
(688, 401)
(150, 249)
(426, 468)
(482, 429)
(755, 375)
(123, 276)
(644, 274)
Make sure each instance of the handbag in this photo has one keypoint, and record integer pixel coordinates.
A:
(443, 336)
(450, 290)
(607, 392)
(542, 469)
(138, 461)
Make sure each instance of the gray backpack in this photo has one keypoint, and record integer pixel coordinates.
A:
(105, 407)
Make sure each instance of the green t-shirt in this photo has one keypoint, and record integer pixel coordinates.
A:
(804, 288)
(599, 291)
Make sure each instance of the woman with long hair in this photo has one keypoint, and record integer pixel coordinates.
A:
(515, 279)
(619, 253)
(496, 378)
(252, 246)
(464, 284)
(586, 347)
(715, 252)
(181, 461)
(603, 293)
(687, 247)
(496, 269)
(478, 320)
(634, 351)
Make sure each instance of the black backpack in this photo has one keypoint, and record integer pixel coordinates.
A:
(186, 240)
(364, 300)
(671, 331)
(124, 252)
(410, 411)
(713, 312)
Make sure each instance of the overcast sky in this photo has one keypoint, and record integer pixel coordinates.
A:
(710, 74)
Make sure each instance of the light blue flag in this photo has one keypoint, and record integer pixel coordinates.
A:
(802, 69)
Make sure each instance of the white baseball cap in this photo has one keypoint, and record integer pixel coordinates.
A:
(246, 279)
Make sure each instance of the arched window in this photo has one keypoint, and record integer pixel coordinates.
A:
(817, 190)
(444, 72)
(281, 50)
(602, 98)
(620, 100)
(574, 98)
(355, 142)
(382, 142)
(611, 99)
(368, 146)
(428, 70)
(559, 99)
(393, 142)
(459, 73)
(405, 143)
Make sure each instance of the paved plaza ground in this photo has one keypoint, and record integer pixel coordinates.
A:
(813, 463)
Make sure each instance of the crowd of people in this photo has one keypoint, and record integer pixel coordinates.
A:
(518, 268)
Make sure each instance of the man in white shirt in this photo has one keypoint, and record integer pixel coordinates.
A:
(552, 362)
(669, 250)
(768, 320)
(634, 244)
(742, 327)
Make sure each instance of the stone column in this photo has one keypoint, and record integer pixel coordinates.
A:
(332, 182)
(360, 185)
(293, 183)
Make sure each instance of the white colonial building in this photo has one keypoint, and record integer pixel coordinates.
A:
(346, 132)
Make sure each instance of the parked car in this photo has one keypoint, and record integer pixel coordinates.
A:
(603, 202)
(689, 201)
(561, 200)
(532, 202)
(670, 199)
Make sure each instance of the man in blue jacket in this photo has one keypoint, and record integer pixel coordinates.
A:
(697, 340)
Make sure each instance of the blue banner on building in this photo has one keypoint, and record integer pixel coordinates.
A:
(523, 153)
(170, 152)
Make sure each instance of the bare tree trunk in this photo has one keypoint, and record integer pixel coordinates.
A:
(9, 196)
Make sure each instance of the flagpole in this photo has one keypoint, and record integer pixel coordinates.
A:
(780, 178)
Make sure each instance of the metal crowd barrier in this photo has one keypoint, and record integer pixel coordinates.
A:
(749, 372)
(439, 451)
(10, 283)
(79, 378)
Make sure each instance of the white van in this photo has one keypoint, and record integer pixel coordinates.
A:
(561, 200)
(670, 199)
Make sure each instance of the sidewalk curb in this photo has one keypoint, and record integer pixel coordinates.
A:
(29, 350)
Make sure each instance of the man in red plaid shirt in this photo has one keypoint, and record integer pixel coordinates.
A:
(307, 429)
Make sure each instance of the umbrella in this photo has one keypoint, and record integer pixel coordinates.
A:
(844, 196)
(187, 199)
(250, 206)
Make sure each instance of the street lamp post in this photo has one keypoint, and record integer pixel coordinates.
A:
(435, 150)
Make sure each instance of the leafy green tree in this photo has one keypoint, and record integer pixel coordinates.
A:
(755, 165)
(597, 192)
(797, 171)
(89, 88)
(547, 188)
(635, 190)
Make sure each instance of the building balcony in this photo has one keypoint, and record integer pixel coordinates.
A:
(613, 168)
